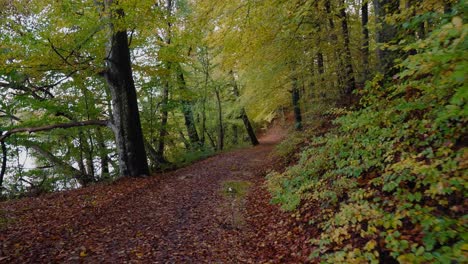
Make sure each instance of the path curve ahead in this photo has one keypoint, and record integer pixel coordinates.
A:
(176, 217)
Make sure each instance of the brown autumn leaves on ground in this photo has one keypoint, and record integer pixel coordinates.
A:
(183, 216)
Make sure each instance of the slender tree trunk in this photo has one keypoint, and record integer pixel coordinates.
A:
(188, 115)
(126, 118)
(84, 179)
(4, 163)
(104, 158)
(206, 69)
(235, 135)
(243, 115)
(164, 117)
(350, 80)
(385, 34)
(212, 142)
(365, 39)
(220, 120)
(320, 60)
(295, 101)
(320, 65)
(165, 95)
(203, 122)
(334, 41)
(90, 156)
(154, 156)
(186, 142)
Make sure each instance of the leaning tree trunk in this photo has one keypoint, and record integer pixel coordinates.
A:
(126, 118)
(244, 117)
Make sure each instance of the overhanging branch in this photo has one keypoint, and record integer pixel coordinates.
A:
(55, 126)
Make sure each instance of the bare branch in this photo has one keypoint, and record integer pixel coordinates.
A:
(58, 53)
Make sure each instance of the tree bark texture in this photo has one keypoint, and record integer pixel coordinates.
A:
(126, 117)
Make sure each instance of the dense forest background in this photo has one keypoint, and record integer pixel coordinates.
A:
(95, 90)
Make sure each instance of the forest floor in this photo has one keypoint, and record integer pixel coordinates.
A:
(213, 211)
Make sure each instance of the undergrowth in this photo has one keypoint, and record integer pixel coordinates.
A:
(389, 183)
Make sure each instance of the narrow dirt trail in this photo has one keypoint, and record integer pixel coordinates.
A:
(176, 217)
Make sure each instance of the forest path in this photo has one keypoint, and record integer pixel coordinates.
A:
(176, 217)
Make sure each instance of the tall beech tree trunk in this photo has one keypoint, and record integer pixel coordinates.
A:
(385, 34)
(350, 80)
(365, 39)
(126, 118)
(243, 115)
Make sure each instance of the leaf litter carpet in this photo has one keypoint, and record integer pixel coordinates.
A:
(175, 217)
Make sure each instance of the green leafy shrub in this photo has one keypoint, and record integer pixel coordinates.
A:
(391, 181)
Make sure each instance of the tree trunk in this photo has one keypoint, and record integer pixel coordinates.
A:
(235, 134)
(126, 118)
(104, 158)
(4, 163)
(212, 142)
(188, 114)
(165, 96)
(334, 42)
(365, 39)
(81, 165)
(203, 122)
(321, 69)
(320, 60)
(243, 115)
(295, 101)
(385, 34)
(164, 116)
(350, 81)
(220, 145)
(154, 156)
(90, 156)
